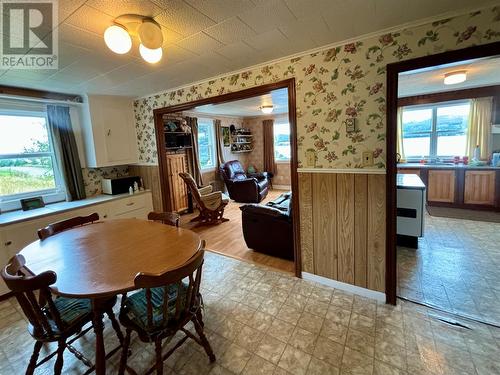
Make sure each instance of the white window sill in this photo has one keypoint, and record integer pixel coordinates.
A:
(283, 161)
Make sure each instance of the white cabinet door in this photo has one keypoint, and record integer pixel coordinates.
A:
(119, 139)
(109, 130)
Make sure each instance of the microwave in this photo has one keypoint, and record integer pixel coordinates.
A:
(119, 185)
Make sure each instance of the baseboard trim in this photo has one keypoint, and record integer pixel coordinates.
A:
(379, 296)
(343, 170)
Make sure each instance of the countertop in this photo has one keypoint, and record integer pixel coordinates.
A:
(409, 181)
(446, 166)
(12, 217)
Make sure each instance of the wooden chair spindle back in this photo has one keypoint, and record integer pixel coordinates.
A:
(24, 285)
(63, 225)
(169, 218)
(185, 280)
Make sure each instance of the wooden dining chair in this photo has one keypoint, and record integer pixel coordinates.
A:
(63, 225)
(73, 222)
(169, 218)
(56, 320)
(164, 305)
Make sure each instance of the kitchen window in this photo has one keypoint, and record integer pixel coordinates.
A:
(27, 162)
(282, 150)
(435, 131)
(206, 144)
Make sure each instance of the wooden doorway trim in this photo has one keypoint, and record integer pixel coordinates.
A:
(289, 84)
(393, 71)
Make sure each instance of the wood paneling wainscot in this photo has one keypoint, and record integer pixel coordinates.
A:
(325, 224)
(151, 177)
(306, 222)
(343, 227)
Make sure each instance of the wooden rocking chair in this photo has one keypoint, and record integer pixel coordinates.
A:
(210, 203)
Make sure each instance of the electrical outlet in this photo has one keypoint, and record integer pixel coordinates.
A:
(367, 158)
(311, 158)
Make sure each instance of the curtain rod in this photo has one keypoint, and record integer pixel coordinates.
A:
(39, 100)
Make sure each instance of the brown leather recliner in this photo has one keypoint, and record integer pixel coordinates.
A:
(243, 188)
(268, 228)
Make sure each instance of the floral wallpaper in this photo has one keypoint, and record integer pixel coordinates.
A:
(92, 177)
(335, 85)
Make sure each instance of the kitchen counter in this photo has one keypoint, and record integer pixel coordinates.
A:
(446, 166)
(409, 181)
(12, 217)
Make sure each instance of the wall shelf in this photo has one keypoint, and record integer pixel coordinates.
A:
(241, 143)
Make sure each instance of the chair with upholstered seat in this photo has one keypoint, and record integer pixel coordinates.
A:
(164, 305)
(60, 226)
(54, 319)
(63, 225)
(169, 218)
(210, 203)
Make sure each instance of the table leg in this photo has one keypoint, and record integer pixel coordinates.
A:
(100, 354)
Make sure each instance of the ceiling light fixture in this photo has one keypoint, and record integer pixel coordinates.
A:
(118, 37)
(452, 78)
(266, 109)
(152, 56)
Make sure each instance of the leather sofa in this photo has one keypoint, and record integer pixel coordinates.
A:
(242, 187)
(268, 228)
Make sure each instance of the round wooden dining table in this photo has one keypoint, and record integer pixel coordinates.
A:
(100, 260)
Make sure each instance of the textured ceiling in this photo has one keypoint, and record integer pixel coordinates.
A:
(249, 107)
(204, 38)
(480, 72)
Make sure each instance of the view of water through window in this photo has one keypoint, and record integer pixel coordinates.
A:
(436, 130)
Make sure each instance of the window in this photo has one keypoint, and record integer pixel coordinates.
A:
(27, 163)
(282, 150)
(206, 143)
(435, 131)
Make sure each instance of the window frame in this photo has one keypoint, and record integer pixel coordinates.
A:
(211, 143)
(434, 133)
(283, 161)
(58, 193)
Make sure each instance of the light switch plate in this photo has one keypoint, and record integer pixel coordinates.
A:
(367, 158)
(311, 158)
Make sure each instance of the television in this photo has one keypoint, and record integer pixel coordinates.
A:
(177, 140)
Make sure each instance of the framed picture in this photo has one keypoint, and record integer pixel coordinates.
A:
(226, 137)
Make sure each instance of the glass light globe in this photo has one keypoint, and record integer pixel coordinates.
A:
(151, 56)
(117, 39)
(455, 77)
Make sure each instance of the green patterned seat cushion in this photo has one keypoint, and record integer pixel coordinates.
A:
(136, 306)
(71, 309)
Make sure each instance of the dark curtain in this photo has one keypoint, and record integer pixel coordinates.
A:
(193, 123)
(63, 138)
(269, 161)
(220, 143)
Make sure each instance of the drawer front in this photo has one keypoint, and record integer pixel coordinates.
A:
(128, 204)
(140, 213)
